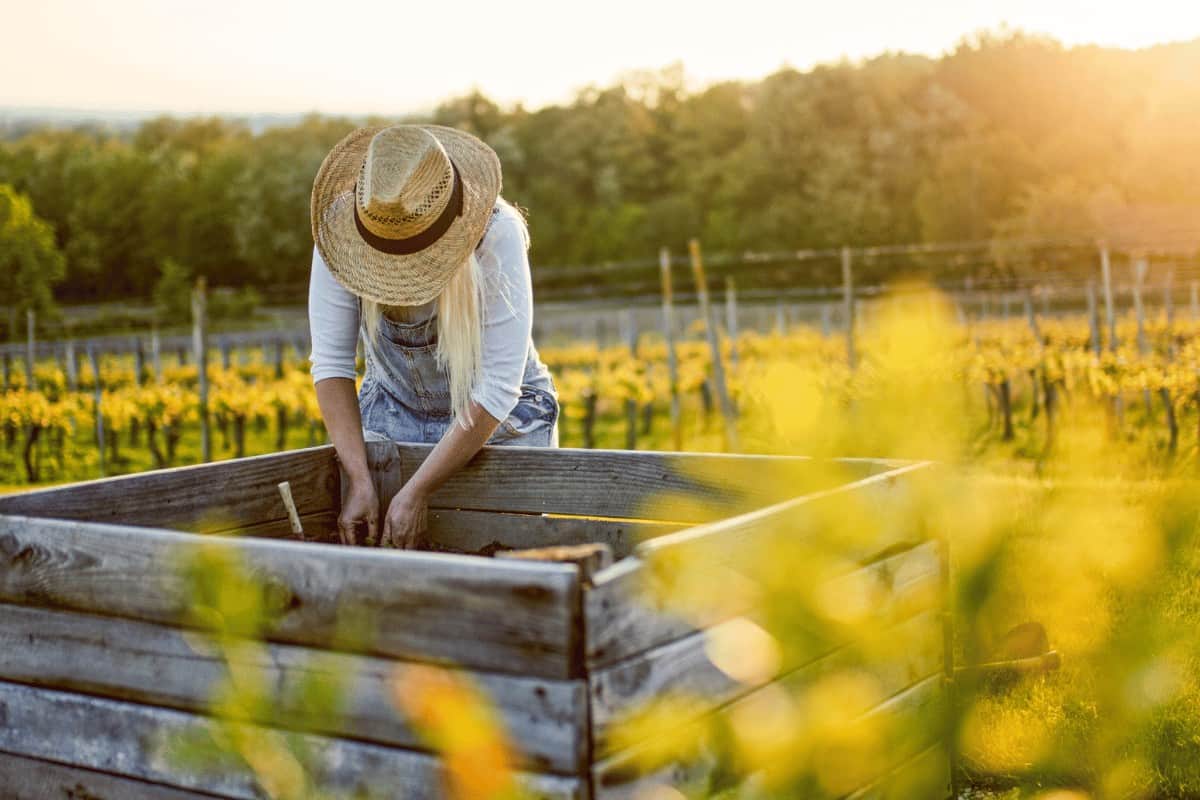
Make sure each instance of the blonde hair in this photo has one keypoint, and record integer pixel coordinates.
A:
(460, 311)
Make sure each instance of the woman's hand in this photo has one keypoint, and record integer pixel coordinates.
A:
(406, 518)
(361, 505)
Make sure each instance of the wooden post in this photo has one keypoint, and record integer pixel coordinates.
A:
(731, 318)
(848, 300)
(780, 318)
(279, 358)
(30, 349)
(1168, 298)
(668, 323)
(1093, 317)
(139, 361)
(1139, 277)
(72, 366)
(1109, 312)
(826, 320)
(200, 346)
(731, 437)
(1045, 292)
(1031, 316)
(226, 359)
(97, 397)
(1195, 300)
(156, 355)
(630, 332)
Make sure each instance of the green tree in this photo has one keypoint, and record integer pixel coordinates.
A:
(30, 261)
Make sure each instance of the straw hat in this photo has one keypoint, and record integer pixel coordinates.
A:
(396, 210)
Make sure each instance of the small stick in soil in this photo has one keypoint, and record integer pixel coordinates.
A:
(285, 491)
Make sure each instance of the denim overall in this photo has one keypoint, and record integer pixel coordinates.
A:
(405, 397)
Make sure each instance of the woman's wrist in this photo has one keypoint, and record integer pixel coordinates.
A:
(415, 490)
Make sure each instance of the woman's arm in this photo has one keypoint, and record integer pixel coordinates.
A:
(339, 408)
(406, 516)
(333, 314)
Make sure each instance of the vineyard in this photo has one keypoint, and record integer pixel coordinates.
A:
(1022, 380)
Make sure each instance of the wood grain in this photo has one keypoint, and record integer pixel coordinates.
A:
(896, 657)
(546, 720)
(677, 487)
(501, 616)
(488, 531)
(24, 778)
(133, 740)
(627, 612)
(201, 498)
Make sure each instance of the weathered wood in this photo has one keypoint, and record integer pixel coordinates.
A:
(625, 613)
(489, 531)
(668, 328)
(678, 487)
(159, 665)
(878, 500)
(200, 348)
(906, 724)
(289, 504)
(910, 650)
(24, 778)
(320, 526)
(848, 306)
(203, 498)
(926, 776)
(478, 531)
(714, 347)
(506, 616)
(590, 558)
(132, 739)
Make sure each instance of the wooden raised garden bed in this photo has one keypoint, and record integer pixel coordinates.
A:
(97, 664)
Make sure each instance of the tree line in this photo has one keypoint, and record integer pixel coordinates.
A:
(1008, 134)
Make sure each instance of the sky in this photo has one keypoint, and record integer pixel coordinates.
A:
(359, 57)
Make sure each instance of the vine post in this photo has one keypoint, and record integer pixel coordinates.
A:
(200, 346)
(848, 301)
(731, 437)
(668, 325)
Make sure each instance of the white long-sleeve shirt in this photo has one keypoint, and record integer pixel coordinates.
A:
(333, 316)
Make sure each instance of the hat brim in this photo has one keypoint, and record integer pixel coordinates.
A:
(415, 278)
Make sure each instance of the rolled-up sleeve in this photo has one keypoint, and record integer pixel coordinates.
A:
(333, 323)
(507, 316)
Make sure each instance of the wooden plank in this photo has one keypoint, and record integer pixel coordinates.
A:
(157, 665)
(24, 778)
(588, 558)
(905, 725)
(502, 616)
(486, 532)
(926, 776)
(626, 611)
(899, 587)
(878, 500)
(898, 657)
(677, 487)
(132, 739)
(318, 527)
(201, 498)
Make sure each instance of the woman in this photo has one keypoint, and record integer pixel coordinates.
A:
(417, 253)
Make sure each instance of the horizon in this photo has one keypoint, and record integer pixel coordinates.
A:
(153, 57)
